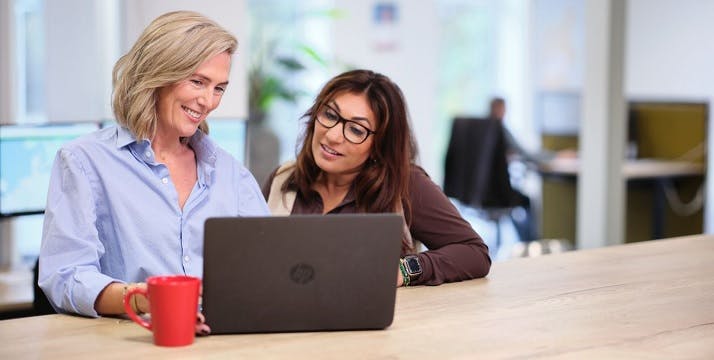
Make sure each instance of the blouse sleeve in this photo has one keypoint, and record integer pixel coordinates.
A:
(69, 256)
(455, 251)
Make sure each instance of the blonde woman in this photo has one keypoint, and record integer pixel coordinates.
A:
(128, 202)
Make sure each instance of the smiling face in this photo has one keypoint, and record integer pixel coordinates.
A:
(182, 106)
(333, 153)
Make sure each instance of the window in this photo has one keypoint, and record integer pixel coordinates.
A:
(29, 50)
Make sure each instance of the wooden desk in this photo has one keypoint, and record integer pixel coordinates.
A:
(653, 299)
(631, 169)
(641, 174)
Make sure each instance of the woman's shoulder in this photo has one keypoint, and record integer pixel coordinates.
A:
(97, 141)
(417, 174)
(208, 150)
(206, 147)
(281, 172)
(421, 185)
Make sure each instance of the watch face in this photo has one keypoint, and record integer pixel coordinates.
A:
(413, 265)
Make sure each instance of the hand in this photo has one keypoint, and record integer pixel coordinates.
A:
(202, 329)
(141, 302)
(400, 279)
(567, 154)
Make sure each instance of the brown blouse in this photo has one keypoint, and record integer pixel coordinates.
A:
(455, 251)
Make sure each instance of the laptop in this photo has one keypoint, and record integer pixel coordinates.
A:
(300, 272)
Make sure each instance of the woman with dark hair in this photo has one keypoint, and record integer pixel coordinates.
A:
(357, 156)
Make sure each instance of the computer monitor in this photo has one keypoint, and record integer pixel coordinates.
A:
(559, 112)
(27, 153)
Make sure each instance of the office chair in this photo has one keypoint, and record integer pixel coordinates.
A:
(476, 170)
(40, 304)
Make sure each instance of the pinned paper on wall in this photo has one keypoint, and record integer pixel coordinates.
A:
(384, 20)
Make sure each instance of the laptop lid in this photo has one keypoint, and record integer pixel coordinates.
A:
(300, 273)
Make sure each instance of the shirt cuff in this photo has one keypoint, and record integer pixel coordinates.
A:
(86, 287)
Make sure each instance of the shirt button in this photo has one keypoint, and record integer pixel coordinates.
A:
(148, 154)
(165, 180)
(186, 258)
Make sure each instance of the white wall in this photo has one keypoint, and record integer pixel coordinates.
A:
(411, 64)
(229, 14)
(601, 188)
(669, 48)
(84, 39)
(670, 56)
(7, 115)
(7, 112)
(76, 74)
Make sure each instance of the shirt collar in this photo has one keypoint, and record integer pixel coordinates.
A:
(206, 156)
(141, 149)
(203, 147)
(313, 200)
(349, 197)
(124, 137)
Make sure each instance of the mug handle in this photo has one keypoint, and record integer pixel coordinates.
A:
(130, 311)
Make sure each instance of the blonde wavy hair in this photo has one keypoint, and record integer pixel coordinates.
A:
(169, 50)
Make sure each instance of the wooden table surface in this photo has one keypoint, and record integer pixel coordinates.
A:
(631, 169)
(646, 300)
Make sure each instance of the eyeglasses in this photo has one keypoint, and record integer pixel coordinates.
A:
(353, 131)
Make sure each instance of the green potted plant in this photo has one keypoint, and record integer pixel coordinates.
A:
(271, 78)
(277, 58)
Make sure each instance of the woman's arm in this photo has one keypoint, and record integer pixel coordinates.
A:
(111, 300)
(456, 252)
(69, 256)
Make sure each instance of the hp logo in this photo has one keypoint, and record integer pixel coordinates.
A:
(302, 273)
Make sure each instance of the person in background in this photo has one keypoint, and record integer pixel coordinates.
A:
(497, 110)
(515, 152)
(357, 156)
(523, 223)
(129, 201)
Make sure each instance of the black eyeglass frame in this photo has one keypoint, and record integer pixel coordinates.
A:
(344, 122)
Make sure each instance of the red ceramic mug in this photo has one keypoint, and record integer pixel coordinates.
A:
(173, 305)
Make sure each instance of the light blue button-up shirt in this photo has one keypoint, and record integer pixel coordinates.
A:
(112, 214)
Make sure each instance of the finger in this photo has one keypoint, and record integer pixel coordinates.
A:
(203, 330)
(200, 319)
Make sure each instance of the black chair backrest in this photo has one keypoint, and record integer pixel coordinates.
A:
(476, 169)
(40, 305)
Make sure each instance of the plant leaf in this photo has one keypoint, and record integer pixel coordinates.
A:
(327, 13)
(312, 54)
(290, 63)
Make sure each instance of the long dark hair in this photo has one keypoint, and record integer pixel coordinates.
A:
(383, 183)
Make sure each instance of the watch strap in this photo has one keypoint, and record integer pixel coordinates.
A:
(406, 279)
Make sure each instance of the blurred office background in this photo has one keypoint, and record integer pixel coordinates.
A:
(571, 70)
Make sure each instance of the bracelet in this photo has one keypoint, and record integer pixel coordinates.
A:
(403, 270)
(133, 303)
(123, 294)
